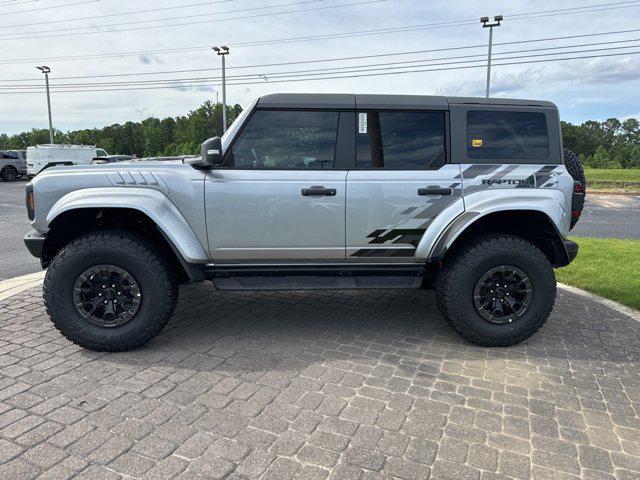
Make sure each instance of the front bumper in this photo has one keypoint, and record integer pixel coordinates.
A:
(35, 243)
(572, 249)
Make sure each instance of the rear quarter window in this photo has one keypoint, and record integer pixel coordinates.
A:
(504, 135)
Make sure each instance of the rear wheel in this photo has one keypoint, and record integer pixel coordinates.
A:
(9, 174)
(110, 291)
(497, 290)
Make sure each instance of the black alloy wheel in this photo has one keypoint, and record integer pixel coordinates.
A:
(107, 296)
(502, 294)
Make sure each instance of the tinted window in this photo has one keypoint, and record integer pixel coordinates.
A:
(287, 139)
(400, 140)
(507, 135)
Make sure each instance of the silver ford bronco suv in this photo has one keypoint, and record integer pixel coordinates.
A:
(472, 197)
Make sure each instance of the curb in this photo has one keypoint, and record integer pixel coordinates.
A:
(13, 286)
(618, 307)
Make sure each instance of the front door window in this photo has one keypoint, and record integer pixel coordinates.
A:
(276, 139)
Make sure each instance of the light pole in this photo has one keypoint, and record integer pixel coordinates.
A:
(46, 70)
(223, 51)
(486, 24)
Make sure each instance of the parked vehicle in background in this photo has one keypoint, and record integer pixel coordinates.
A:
(181, 158)
(112, 159)
(45, 156)
(473, 197)
(13, 164)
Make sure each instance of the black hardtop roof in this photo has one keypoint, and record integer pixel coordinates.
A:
(368, 101)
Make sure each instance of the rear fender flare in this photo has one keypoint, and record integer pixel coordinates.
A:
(433, 247)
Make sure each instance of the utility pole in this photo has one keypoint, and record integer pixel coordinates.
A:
(46, 70)
(222, 51)
(486, 24)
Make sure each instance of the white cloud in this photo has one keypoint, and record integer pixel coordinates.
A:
(604, 71)
(150, 58)
(502, 84)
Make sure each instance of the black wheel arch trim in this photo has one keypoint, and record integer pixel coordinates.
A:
(452, 231)
(195, 272)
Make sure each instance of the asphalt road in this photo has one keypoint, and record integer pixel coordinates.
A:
(610, 216)
(605, 216)
(15, 260)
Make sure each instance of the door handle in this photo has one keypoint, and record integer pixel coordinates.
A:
(319, 190)
(433, 190)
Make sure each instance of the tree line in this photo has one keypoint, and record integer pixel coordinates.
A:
(151, 137)
(609, 144)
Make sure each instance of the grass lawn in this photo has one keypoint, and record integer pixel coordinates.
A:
(612, 175)
(607, 267)
(614, 180)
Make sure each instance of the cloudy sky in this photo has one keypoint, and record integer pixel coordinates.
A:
(80, 38)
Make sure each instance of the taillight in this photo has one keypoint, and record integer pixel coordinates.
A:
(578, 187)
(576, 213)
(30, 202)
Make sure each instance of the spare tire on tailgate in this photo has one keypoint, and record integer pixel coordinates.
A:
(574, 167)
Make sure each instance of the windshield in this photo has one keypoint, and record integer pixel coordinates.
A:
(235, 126)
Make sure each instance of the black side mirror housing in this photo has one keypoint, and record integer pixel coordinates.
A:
(211, 152)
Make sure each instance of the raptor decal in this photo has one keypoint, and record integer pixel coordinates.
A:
(478, 178)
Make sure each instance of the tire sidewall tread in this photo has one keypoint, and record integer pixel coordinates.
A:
(574, 167)
(456, 280)
(127, 250)
(4, 172)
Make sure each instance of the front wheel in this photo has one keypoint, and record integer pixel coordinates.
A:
(110, 291)
(496, 290)
(9, 174)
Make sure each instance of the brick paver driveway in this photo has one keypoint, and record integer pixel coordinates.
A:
(321, 385)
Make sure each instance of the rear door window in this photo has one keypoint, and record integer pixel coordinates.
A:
(400, 140)
(504, 135)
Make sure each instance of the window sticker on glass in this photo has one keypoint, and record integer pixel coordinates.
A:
(362, 123)
(476, 143)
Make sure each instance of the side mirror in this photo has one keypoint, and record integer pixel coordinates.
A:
(211, 152)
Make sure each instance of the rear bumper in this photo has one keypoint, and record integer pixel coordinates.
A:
(34, 242)
(572, 249)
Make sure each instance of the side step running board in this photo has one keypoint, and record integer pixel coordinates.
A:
(307, 278)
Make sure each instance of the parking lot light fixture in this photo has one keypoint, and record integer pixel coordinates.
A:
(223, 51)
(46, 70)
(486, 23)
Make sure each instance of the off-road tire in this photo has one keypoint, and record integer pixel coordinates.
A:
(9, 174)
(126, 250)
(456, 281)
(574, 167)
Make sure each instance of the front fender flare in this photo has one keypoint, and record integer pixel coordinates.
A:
(153, 203)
